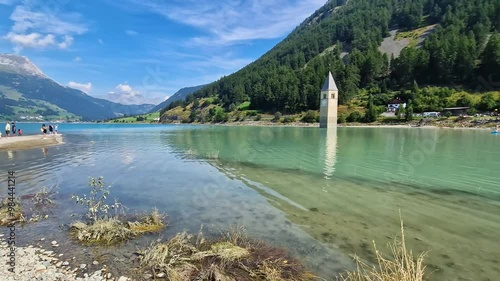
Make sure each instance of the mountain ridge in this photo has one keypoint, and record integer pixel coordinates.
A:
(26, 91)
(288, 77)
(179, 95)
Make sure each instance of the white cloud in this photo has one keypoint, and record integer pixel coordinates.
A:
(228, 22)
(125, 94)
(86, 88)
(131, 32)
(7, 2)
(41, 29)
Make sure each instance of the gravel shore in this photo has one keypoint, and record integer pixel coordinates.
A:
(35, 263)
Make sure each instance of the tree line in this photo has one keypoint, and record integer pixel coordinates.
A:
(344, 37)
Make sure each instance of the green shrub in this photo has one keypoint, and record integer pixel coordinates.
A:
(258, 117)
(355, 116)
(311, 116)
(251, 113)
(277, 117)
(341, 119)
(288, 119)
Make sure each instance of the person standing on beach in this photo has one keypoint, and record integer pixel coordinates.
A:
(44, 130)
(55, 128)
(13, 129)
(51, 129)
(7, 129)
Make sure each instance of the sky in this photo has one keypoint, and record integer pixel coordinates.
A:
(142, 51)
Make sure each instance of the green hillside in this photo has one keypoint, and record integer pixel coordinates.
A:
(15, 106)
(462, 53)
(25, 92)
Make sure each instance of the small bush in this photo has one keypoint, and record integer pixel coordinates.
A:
(102, 228)
(355, 116)
(251, 113)
(277, 117)
(258, 117)
(288, 119)
(311, 116)
(341, 119)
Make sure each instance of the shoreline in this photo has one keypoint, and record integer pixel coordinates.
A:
(316, 125)
(29, 142)
(35, 262)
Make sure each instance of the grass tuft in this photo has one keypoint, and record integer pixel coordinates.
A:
(401, 267)
(102, 231)
(189, 257)
(10, 212)
(112, 230)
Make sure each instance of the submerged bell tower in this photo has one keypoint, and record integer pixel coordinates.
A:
(329, 102)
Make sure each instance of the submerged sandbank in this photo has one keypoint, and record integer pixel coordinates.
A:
(27, 142)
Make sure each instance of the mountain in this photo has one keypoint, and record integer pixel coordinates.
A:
(179, 95)
(446, 45)
(26, 92)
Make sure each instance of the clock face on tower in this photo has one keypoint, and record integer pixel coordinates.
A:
(323, 102)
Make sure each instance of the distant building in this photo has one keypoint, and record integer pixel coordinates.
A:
(456, 111)
(395, 104)
(329, 103)
(431, 114)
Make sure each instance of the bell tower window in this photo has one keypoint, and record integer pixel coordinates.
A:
(333, 96)
(324, 96)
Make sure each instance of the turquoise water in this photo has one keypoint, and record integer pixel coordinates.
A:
(324, 194)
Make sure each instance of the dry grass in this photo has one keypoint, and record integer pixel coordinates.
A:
(5, 214)
(103, 231)
(232, 257)
(401, 267)
(112, 230)
(150, 223)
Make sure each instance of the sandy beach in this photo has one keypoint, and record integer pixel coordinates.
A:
(27, 142)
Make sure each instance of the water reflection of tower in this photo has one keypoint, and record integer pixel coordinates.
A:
(330, 152)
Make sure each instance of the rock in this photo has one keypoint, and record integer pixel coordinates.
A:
(95, 262)
(122, 278)
(148, 276)
(42, 239)
(65, 263)
(82, 266)
(53, 242)
(49, 252)
(59, 264)
(108, 275)
(60, 255)
(40, 267)
(161, 275)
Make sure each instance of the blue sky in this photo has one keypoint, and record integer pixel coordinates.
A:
(141, 51)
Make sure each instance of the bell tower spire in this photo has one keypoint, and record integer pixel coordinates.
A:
(328, 103)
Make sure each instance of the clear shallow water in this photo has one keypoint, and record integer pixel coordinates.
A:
(323, 194)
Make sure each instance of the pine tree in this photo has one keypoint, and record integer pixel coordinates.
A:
(371, 112)
(409, 111)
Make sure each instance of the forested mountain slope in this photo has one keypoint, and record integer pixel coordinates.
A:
(289, 76)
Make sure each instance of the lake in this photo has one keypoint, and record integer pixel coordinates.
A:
(323, 194)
